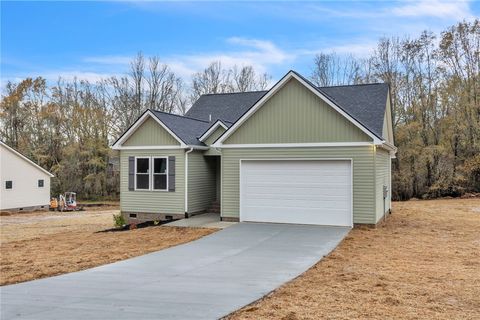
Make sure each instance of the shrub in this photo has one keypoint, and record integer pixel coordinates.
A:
(442, 190)
(119, 220)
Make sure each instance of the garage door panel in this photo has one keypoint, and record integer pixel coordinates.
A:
(289, 215)
(291, 188)
(297, 205)
(296, 191)
(306, 196)
(301, 182)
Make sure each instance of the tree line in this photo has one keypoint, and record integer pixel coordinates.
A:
(435, 93)
(67, 127)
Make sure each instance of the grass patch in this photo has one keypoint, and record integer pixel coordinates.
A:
(39, 245)
(423, 264)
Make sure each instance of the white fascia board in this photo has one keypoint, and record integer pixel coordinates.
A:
(161, 147)
(27, 160)
(148, 148)
(212, 129)
(117, 145)
(388, 146)
(275, 89)
(298, 145)
(390, 119)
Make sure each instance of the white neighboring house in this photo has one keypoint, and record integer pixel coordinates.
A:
(24, 184)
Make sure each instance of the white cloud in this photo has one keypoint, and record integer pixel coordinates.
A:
(357, 48)
(261, 54)
(444, 9)
(434, 8)
(109, 60)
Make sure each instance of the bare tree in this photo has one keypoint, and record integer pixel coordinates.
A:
(216, 79)
(246, 79)
(137, 74)
(331, 69)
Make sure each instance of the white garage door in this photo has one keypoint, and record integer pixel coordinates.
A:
(296, 191)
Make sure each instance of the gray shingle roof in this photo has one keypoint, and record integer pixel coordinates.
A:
(365, 103)
(186, 128)
(224, 106)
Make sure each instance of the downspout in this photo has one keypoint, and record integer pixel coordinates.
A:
(186, 181)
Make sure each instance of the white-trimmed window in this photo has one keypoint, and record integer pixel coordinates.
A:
(160, 173)
(151, 173)
(142, 173)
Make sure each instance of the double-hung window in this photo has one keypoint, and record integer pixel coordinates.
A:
(151, 173)
(160, 178)
(142, 173)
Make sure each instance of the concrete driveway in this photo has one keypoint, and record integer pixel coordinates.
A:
(204, 279)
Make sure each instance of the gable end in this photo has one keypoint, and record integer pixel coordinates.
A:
(273, 91)
(294, 114)
(148, 131)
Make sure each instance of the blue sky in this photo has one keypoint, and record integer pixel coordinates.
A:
(92, 40)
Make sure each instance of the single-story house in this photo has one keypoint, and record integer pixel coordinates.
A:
(296, 153)
(25, 185)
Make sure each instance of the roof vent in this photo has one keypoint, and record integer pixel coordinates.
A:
(210, 117)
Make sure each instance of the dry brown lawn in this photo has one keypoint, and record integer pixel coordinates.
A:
(38, 245)
(424, 263)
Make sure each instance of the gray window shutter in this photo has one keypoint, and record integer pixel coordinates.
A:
(131, 173)
(171, 173)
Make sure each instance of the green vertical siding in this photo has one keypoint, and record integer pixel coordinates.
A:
(153, 201)
(295, 114)
(211, 139)
(214, 136)
(363, 175)
(201, 181)
(382, 177)
(150, 133)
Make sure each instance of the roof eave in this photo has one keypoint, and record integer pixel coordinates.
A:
(51, 175)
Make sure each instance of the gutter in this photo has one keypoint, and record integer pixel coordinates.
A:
(197, 147)
(186, 180)
(388, 146)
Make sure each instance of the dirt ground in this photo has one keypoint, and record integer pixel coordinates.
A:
(43, 244)
(424, 263)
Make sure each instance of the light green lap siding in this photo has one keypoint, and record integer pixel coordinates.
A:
(363, 175)
(295, 114)
(382, 177)
(150, 133)
(201, 181)
(214, 136)
(153, 201)
(211, 139)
